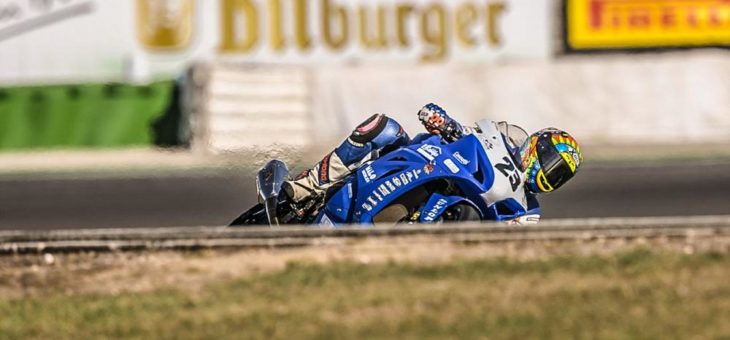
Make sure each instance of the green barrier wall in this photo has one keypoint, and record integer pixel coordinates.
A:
(74, 116)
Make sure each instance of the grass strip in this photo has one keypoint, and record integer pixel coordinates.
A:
(636, 294)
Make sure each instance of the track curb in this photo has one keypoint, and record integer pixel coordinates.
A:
(196, 238)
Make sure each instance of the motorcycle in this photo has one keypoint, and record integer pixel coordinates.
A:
(472, 179)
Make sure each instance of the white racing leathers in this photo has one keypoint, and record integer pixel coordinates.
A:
(507, 194)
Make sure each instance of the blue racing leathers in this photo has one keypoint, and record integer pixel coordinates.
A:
(379, 134)
(375, 135)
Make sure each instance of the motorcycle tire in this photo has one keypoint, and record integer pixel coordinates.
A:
(256, 216)
(392, 215)
(461, 212)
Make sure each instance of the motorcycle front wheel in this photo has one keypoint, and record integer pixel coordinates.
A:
(460, 213)
(256, 216)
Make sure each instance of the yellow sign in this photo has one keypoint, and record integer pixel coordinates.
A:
(165, 24)
(304, 24)
(617, 24)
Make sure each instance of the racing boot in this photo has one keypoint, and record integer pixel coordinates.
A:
(372, 136)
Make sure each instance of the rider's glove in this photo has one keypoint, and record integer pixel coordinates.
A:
(437, 122)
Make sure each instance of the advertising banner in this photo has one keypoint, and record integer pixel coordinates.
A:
(61, 40)
(642, 24)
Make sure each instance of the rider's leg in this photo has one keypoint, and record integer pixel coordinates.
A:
(375, 133)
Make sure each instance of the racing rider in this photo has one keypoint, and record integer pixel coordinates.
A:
(548, 158)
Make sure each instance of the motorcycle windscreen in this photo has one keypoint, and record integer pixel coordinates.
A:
(268, 181)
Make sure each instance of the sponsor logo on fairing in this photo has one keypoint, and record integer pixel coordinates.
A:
(368, 174)
(326, 220)
(388, 187)
(451, 165)
(461, 158)
(487, 144)
(428, 168)
(429, 152)
(433, 213)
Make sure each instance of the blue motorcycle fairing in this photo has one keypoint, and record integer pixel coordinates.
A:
(377, 184)
(338, 207)
(437, 204)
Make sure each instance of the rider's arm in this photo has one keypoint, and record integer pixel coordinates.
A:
(437, 121)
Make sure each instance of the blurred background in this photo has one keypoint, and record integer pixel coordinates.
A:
(156, 113)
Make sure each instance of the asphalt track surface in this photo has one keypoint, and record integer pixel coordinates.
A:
(670, 189)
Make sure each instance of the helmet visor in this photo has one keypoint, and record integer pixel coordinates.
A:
(554, 167)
